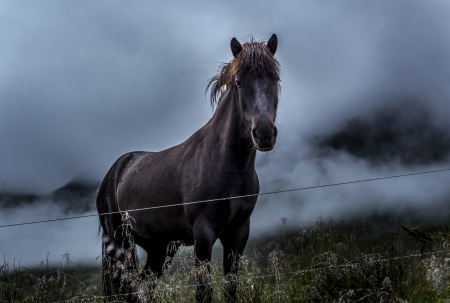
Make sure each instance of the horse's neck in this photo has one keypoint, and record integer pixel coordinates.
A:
(228, 131)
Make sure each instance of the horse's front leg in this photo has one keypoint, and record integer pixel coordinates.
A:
(204, 237)
(233, 241)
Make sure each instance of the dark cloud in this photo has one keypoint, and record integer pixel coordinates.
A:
(404, 133)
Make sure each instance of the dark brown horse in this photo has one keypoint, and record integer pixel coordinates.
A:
(217, 161)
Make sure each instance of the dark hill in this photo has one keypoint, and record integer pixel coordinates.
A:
(76, 196)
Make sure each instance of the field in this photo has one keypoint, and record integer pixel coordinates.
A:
(329, 262)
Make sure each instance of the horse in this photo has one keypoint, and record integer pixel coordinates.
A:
(217, 161)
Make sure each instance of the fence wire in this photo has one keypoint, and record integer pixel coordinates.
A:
(351, 264)
(230, 198)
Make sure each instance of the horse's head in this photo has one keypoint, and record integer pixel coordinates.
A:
(252, 77)
(256, 81)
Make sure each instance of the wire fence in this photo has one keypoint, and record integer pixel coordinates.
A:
(351, 264)
(230, 198)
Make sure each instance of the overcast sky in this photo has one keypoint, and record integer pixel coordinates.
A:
(83, 82)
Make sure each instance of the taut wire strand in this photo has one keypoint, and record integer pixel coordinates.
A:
(348, 264)
(229, 198)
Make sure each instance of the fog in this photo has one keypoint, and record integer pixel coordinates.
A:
(365, 94)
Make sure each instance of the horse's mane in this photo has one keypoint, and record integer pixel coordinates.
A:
(255, 56)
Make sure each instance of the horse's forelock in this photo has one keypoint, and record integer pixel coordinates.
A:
(255, 57)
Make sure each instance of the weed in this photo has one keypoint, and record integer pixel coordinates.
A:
(330, 262)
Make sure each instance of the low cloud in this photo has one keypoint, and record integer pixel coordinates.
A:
(405, 132)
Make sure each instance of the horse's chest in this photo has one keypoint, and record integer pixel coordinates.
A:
(220, 190)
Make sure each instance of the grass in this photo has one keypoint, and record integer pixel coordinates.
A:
(341, 262)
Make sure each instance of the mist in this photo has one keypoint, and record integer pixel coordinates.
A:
(365, 94)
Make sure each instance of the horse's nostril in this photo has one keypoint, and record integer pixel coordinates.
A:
(275, 131)
(254, 133)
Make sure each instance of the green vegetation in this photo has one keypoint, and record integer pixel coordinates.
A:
(330, 262)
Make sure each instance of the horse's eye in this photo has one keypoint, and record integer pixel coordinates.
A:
(238, 83)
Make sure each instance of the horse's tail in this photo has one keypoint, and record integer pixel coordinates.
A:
(107, 204)
(99, 237)
(114, 230)
(99, 231)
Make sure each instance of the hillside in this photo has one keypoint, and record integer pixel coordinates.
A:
(330, 262)
(75, 196)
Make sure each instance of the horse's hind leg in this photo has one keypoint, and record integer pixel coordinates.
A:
(159, 257)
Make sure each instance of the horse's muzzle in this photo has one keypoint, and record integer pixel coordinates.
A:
(264, 137)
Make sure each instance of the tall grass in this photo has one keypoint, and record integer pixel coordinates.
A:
(330, 262)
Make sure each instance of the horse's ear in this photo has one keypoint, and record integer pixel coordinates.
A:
(236, 47)
(272, 44)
